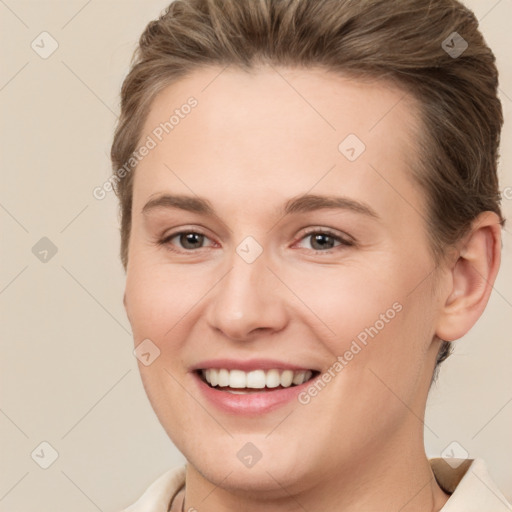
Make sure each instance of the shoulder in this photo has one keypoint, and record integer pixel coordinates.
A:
(157, 497)
(468, 482)
(470, 486)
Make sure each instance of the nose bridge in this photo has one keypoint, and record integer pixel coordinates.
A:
(247, 297)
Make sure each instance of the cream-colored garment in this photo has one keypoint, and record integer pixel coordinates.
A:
(469, 484)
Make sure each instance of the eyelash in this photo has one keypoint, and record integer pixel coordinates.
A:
(343, 243)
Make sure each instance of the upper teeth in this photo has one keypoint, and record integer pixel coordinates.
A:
(256, 378)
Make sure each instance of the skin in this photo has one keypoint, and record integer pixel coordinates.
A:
(252, 143)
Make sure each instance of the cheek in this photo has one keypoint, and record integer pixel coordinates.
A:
(347, 299)
(159, 299)
(158, 296)
(374, 320)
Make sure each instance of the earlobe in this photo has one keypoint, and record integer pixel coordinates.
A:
(472, 276)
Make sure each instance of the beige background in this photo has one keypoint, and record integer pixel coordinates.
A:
(68, 376)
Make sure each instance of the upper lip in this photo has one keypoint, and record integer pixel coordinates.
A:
(248, 365)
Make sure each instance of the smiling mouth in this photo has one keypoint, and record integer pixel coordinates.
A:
(255, 381)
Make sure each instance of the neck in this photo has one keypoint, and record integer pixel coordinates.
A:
(396, 477)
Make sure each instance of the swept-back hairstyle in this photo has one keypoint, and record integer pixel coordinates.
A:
(410, 42)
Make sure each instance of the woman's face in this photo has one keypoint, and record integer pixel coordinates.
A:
(268, 277)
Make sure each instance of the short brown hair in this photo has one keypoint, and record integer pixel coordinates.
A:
(406, 41)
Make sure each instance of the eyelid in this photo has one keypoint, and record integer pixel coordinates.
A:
(164, 240)
(344, 239)
(328, 231)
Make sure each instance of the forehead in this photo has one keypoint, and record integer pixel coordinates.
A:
(330, 104)
(278, 128)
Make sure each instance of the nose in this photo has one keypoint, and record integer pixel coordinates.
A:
(249, 299)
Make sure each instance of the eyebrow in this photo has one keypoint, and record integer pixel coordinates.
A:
(300, 204)
(182, 202)
(312, 202)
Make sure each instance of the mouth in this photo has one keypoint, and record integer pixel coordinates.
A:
(256, 381)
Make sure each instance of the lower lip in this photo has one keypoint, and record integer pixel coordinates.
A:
(251, 403)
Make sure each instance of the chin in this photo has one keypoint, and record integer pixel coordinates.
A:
(269, 479)
(278, 466)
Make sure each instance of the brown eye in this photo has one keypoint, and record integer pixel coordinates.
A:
(325, 241)
(185, 241)
(191, 240)
(320, 241)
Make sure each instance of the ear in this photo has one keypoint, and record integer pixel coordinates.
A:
(472, 278)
